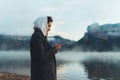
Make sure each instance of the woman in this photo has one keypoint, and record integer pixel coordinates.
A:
(43, 62)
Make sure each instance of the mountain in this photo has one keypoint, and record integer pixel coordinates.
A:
(67, 44)
(97, 38)
(8, 42)
(100, 38)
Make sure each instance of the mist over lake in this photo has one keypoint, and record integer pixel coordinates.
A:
(70, 65)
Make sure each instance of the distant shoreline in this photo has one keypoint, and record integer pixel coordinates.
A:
(13, 76)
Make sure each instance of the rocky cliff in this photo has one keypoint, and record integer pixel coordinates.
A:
(100, 38)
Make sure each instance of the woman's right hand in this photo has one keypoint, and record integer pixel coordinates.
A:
(58, 46)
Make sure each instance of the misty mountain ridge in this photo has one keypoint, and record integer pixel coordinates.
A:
(97, 38)
(101, 38)
(8, 42)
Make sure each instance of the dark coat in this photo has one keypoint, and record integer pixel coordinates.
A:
(43, 63)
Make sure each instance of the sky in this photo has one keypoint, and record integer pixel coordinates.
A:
(71, 17)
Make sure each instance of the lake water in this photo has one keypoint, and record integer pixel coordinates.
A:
(70, 65)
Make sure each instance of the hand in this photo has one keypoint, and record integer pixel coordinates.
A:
(58, 46)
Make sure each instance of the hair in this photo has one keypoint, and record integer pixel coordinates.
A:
(49, 18)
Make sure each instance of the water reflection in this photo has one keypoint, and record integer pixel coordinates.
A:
(102, 70)
(71, 71)
(70, 65)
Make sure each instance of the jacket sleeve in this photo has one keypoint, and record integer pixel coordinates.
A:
(41, 51)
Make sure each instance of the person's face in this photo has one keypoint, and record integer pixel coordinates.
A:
(49, 27)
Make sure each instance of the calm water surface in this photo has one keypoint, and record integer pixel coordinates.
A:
(70, 65)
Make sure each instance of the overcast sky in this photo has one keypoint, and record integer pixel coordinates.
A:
(71, 17)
